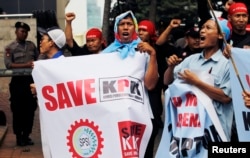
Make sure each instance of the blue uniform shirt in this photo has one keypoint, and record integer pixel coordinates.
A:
(218, 67)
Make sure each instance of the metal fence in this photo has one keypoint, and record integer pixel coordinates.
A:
(15, 72)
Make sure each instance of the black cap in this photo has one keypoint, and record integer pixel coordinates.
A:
(193, 32)
(22, 25)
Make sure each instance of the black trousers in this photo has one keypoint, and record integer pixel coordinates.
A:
(23, 105)
(157, 109)
(150, 148)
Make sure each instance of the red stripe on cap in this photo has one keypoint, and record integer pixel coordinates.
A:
(148, 26)
(237, 8)
(94, 33)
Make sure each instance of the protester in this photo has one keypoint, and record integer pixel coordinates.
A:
(147, 33)
(164, 36)
(192, 40)
(184, 46)
(238, 18)
(126, 44)
(187, 45)
(94, 39)
(20, 54)
(164, 50)
(212, 61)
(237, 15)
(228, 3)
(51, 44)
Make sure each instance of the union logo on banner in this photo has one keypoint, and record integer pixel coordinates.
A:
(85, 139)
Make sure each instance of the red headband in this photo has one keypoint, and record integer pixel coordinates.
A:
(248, 27)
(94, 33)
(236, 8)
(148, 26)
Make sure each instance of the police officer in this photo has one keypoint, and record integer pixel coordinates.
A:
(20, 54)
(191, 43)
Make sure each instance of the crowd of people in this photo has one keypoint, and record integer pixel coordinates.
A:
(201, 47)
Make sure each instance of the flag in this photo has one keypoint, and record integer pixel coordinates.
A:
(191, 121)
(241, 112)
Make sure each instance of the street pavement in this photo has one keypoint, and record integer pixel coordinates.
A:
(8, 148)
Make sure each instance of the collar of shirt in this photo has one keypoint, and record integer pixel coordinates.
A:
(58, 54)
(215, 57)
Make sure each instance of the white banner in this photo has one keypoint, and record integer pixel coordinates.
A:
(93, 106)
(190, 123)
(241, 112)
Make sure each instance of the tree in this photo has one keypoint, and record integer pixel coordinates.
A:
(105, 23)
(156, 9)
(152, 10)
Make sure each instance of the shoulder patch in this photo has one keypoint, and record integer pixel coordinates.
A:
(7, 52)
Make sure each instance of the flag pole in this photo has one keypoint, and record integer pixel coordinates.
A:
(225, 41)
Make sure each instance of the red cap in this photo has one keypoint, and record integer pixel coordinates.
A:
(148, 26)
(94, 33)
(248, 27)
(237, 8)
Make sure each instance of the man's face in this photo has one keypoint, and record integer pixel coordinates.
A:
(209, 35)
(45, 44)
(193, 42)
(238, 21)
(144, 35)
(21, 34)
(94, 45)
(126, 29)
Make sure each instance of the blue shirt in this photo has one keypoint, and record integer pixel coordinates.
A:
(58, 54)
(218, 66)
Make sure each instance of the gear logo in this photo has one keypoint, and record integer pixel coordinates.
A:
(84, 140)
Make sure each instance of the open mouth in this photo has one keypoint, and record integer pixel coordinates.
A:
(125, 34)
(202, 38)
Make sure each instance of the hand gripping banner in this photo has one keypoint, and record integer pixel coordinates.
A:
(93, 106)
(190, 122)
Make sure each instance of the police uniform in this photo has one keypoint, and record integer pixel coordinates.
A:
(22, 102)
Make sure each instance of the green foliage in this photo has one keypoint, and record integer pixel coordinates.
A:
(166, 9)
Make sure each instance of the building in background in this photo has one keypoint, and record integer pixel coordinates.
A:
(89, 12)
(26, 6)
(94, 13)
